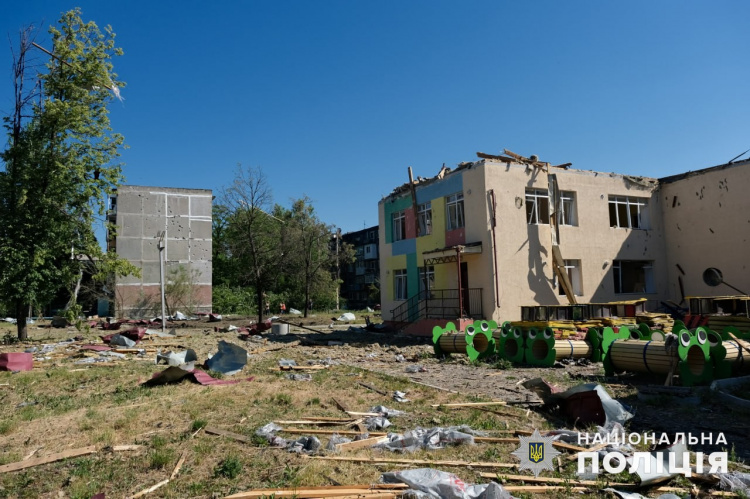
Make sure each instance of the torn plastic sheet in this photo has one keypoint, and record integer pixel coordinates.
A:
(389, 413)
(269, 433)
(323, 362)
(736, 482)
(154, 332)
(400, 396)
(348, 316)
(299, 377)
(400, 358)
(416, 369)
(230, 359)
(177, 358)
(16, 361)
(135, 335)
(377, 423)
(287, 363)
(335, 440)
(120, 340)
(679, 449)
(578, 406)
(174, 374)
(440, 484)
(294, 311)
(304, 445)
(430, 439)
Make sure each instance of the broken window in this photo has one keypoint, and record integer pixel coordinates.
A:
(537, 206)
(568, 215)
(454, 205)
(573, 269)
(628, 212)
(633, 276)
(399, 281)
(426, 278)
(424, 212)
(399, 225)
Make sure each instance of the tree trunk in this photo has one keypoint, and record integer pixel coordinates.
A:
(261, 304)
(21, 326)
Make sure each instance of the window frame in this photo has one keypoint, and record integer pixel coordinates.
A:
(454, 203)
(533, 195)
(623, 207)
(575, 276)
(399, 225)
(427, 272)
(400, 285)
(646, 266)
(424, 218)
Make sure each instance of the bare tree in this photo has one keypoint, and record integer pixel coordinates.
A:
(253, 234)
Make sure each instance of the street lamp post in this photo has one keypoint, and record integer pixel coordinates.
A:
(337, 236)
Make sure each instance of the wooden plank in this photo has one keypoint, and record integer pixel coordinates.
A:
(370, 387)
(536, 489)
(177, 467)
(418, 462)
(150, 489)
(314, 431)
(370, 491)
(340, 405)
(229, 434)
(59, 456)
(544, 479)
(126, 448)
(471, 404)
(360, 444)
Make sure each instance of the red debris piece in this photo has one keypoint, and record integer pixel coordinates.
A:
(135, 334)
(18, 361)
(174, 374)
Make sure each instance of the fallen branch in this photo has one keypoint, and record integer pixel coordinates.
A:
(59, 456)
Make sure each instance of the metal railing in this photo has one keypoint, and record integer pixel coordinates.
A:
(439, 304)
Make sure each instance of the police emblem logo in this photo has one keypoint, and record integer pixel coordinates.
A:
(536, 453)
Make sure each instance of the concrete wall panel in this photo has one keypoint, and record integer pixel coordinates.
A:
(131, 225)
(200, 206)
(200, 250)
(153, 203)
(178, 249)
(201, 229)
(178, 206)
(129, 248)
(178, 228)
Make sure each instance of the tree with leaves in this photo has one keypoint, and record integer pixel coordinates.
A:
(59, 165)
(311, 256)
(252, 234)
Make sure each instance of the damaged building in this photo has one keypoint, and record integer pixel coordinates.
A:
(171, 223)
(484, 239)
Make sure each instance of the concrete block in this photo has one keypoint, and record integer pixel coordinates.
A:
(129, 202)
(178, 206)
(201, 229)
(131, 225)
(200, 250)
(178, 228)
(178, 249)
(200, 206)
(151, 273)
(154, 204)
(203, 272)
(129, 248)
(153, 225)
(150, 251)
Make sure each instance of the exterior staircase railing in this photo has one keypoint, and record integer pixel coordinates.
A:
(438, 304)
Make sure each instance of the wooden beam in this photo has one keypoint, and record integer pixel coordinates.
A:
(150, 489)
(371, 491)
(545, 479)
(360, 444)
(470, 404)
(229, 434)
(417, 462)
(59, 456)
(370, 387)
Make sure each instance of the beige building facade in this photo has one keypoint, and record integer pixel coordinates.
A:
(486, 224)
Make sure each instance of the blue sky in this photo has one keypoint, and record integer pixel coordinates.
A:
(335, 99)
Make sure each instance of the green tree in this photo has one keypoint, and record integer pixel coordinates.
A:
(58, 166)
(253, 235)
(310, 253)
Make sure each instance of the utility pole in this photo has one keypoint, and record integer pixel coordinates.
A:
(337, 236)
(161, 245)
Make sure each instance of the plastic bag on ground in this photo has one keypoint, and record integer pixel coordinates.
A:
(122, 341)
(335, 440)
(294, 311)
(348, 316)
(299, 377)
(388, 413)
(177, 358)
(735, 481)
(287, 363)
(443, 485)
(304, 445)
(430, 439)
(377, 423)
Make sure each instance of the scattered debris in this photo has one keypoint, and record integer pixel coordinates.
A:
(229, 360)
(430, 439)
(177, 358)
(16, 361)
(59, 456)
(416, 369)
(436, 483)
(175, 374)
(400, 396)
(348, 316)
(299, 377)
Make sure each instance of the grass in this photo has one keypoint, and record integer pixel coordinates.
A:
(106, 406)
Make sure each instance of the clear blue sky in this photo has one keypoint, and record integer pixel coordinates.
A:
(335, 99)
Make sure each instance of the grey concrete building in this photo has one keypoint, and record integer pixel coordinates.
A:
(142, 214)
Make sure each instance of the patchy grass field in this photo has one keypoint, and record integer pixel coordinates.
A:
(61, 405)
